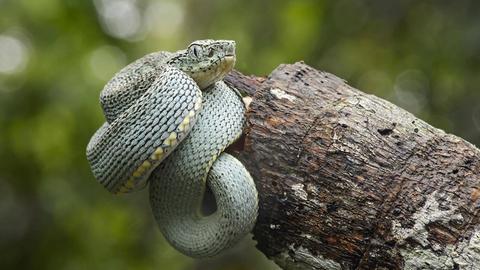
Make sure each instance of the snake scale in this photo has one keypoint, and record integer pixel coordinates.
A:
(169, 116)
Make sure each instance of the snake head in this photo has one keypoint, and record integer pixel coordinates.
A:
(206, 61)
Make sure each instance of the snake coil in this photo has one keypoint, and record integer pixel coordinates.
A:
(169, 116)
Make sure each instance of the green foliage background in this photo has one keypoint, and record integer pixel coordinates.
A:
(56, 55)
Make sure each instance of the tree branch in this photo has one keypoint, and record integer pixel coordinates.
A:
(350, 181)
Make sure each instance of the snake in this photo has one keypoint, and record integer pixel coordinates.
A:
(169, 118)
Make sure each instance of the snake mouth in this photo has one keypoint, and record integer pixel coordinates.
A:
(207, 75)
(229, 58)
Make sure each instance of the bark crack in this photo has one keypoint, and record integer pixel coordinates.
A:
(302, 145)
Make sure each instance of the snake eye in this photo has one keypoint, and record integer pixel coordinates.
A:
(210, 53)
(195, 51)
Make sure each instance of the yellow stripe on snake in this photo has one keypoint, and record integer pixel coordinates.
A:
(169, 116)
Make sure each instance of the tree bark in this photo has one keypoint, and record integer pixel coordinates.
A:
(347, 180)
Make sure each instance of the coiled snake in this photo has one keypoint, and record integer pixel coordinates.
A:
(169, 117)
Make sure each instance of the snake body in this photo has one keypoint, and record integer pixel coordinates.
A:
(169, 118)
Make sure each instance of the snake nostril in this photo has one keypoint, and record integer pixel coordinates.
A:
(230, 48)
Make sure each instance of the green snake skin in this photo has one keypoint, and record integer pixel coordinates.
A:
(169, 118)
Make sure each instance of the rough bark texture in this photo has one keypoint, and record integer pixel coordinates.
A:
(350, 181)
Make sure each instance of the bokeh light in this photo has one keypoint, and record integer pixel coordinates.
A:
(105, 61)
(13, 54)
(120, 18)
(410, 89)
(164, 18)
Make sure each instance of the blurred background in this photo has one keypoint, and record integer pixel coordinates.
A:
(56, 55)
